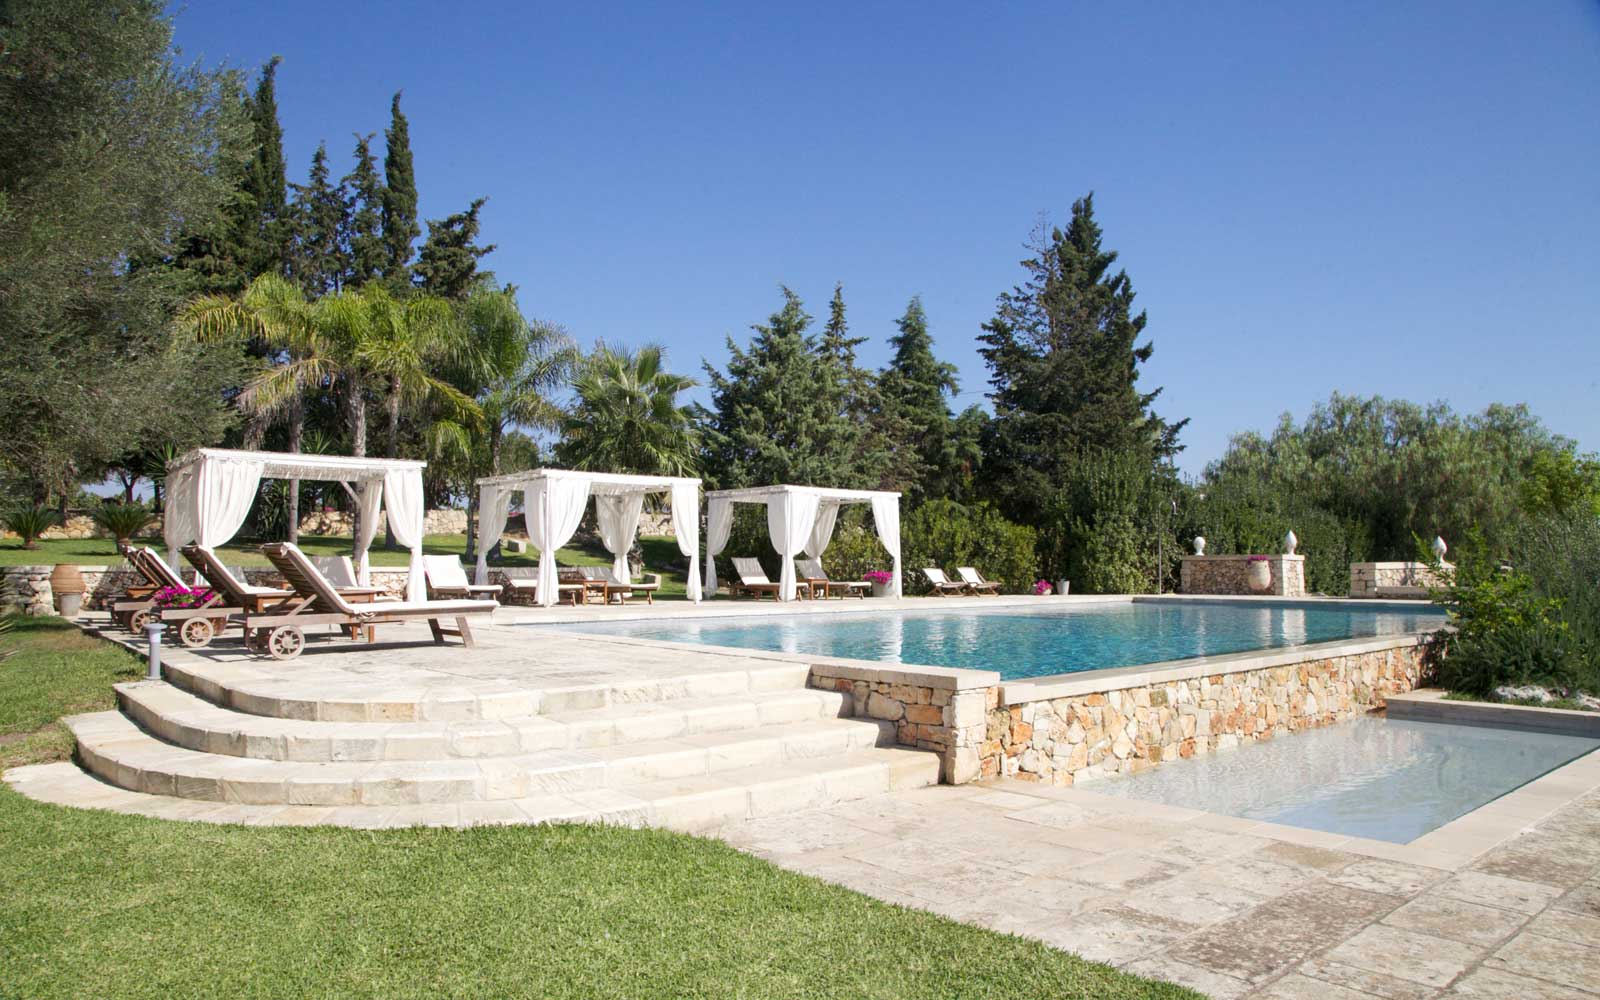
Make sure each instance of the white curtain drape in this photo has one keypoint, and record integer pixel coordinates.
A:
(494, 510)
(617, 515)
(790, 518)
(402, 498)
(719, 524)
(210, 503)
(554, 507)
(369, 499)
(822, 531)
(886, 517)
(686, 525)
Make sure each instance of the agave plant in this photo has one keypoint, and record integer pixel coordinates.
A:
(30, 523)
(123, 520)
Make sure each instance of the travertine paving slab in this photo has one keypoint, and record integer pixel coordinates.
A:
(1566, 963)
(1447, 917)
(1404, 954)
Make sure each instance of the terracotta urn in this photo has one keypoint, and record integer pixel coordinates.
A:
(66, 584)
(1258, 574)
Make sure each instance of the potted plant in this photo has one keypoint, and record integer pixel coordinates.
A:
(1042, 587)
(1258, 573)
(29, 523)
(176, 598)
(880, 580)
(123, 520)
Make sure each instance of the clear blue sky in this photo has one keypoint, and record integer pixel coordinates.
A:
(1393, 198)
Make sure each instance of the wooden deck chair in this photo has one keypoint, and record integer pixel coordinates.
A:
(447, 578)
(277, 632)
(602, 579)
(233, 600)
(522, 584)
(811, 570)
(136, 607)
(942, 584)
(752, 580)
(972, 578)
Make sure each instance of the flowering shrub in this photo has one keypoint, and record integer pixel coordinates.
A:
(878, 576)
(1256, 559)
(1041, 587)
(176, 597)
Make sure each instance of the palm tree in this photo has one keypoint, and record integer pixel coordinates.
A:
(627, 418)
(510, 367)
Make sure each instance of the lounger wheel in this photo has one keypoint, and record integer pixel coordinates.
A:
(196, 633)
(285, 642)
(139, 619)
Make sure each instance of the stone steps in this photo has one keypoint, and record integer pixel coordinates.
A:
(307, 694)
(113, 748)
(686, 805)
(185, 720)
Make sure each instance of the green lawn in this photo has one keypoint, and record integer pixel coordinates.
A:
(659, 554)
(103, 905)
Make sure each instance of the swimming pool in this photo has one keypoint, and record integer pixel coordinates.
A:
(1023, 642)
(1369, 777)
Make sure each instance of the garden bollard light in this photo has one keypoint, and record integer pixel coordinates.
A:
(153, 631)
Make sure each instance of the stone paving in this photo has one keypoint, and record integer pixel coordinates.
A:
(1230, 907)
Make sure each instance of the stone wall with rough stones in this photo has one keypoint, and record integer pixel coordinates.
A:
(443, 521)
(1394, 579)
(26, 590)
(30, 585)
(944, 711)
(1226, 575)
(1073, 739)
(80, 526)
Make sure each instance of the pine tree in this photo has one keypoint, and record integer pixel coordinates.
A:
(914, 387)
(400, 227)
(266, 178)
(448, 263)
(860, 400)
(776, 414)
(321, 222)
(1064, 357)
(364, 237)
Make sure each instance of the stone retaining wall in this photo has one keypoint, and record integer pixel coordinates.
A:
(444, 521)
(1394, 579)
(1093, 734)
(1226, 575)
(26, 590)
(30, 592)
(932, 708)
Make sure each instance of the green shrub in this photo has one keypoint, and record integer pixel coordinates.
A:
(30, 523)
(946, 534)
(855, 548)
(123, 520)
(1111, 529)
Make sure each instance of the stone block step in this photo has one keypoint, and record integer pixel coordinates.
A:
(332, 695)
(112, 747)
(675, 804)
(186, 720)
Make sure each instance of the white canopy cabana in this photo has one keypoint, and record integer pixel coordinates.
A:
(554, 501)
(210, 490)
(800, 519)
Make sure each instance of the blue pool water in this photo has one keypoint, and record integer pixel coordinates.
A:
(1023, 642)
(1368, 777)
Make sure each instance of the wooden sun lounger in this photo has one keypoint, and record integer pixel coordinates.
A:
(972, 578)
(813, 573)
(447, 578)
(278, 631)
(752, 580)
(942, 584)
(136, 607)
(522, 583)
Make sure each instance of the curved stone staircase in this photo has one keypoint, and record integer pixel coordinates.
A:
(690, 753)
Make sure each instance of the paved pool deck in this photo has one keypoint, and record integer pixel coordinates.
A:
(1232, 907)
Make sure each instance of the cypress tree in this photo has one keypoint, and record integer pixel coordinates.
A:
(1063, 356)
(776, 414)
(914, 386)
(364, 237)
(448, 264)
(321, 221)
(860, 401)
(266, 178)
(400, 227)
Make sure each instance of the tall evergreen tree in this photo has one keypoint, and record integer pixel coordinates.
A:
(321, 220)
(400, 227)
(266, 178)
(1064, 357)
(914, 386)
(860, 400)
(448, 264)
(365, 234)
(776, 414)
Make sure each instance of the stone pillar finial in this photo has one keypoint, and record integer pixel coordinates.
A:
(1290, 543)
(1439, 548)
(1199, 545)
